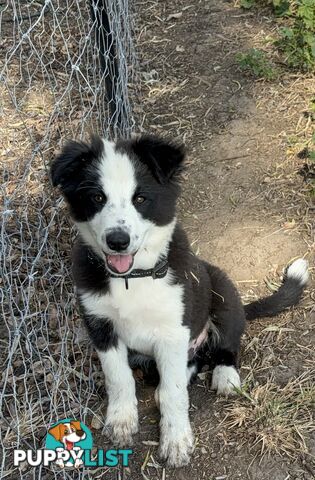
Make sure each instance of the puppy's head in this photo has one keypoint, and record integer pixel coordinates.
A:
(68, 433)
(119, 192)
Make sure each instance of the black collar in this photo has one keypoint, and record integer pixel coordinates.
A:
(158, 271)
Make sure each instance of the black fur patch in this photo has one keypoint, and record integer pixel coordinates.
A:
(209, 293)
(157, 164)
(75, 172)
(160, 199)
(163, 158)
(88, 269)
(289, 294)
(192, 274)
(221, 356)
(90, 274)
(101, 332)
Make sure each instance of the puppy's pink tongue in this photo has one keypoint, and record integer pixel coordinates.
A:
(121, 263)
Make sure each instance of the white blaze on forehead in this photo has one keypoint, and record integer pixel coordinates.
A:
(118, 177)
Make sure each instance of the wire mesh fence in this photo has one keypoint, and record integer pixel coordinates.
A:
(66, 68)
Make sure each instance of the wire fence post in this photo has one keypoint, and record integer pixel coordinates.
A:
(106, 40)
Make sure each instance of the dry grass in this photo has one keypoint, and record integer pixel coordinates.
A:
(274, 419)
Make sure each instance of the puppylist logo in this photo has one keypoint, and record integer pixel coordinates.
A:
(69, 444)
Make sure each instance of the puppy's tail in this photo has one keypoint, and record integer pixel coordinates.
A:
(289, 294)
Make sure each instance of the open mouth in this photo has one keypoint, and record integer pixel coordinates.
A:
(119, 263)
(69, 445)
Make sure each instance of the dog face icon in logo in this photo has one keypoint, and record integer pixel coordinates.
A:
(69, 438)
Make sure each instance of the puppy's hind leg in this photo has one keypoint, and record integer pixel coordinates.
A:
(228, 317)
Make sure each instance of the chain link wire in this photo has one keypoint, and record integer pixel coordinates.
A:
(66, 67)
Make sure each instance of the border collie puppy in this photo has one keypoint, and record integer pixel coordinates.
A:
(142, 291)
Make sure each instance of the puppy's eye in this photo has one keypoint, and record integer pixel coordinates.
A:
(138, 199)
(99, 198)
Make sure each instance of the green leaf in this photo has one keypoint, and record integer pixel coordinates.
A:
(282, 8)
(247, 4)
(287, 32)
(255, 62)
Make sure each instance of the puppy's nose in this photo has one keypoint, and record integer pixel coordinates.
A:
(118, 240)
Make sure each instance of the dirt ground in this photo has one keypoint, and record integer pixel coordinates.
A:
(246, 209)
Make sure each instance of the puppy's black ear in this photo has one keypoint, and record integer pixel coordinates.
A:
(74, 157)
(164, 159)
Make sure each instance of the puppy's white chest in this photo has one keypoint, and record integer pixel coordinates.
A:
(149, 311)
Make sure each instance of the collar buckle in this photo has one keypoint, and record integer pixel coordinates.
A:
(160, 269)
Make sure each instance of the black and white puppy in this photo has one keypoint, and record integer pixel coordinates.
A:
(141, 289)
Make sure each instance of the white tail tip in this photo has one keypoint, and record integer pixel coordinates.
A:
(298, 270)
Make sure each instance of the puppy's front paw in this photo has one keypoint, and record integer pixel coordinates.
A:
(176, 445)
(121, 424)
(60, 463)
(225, 379)
(78, 463)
